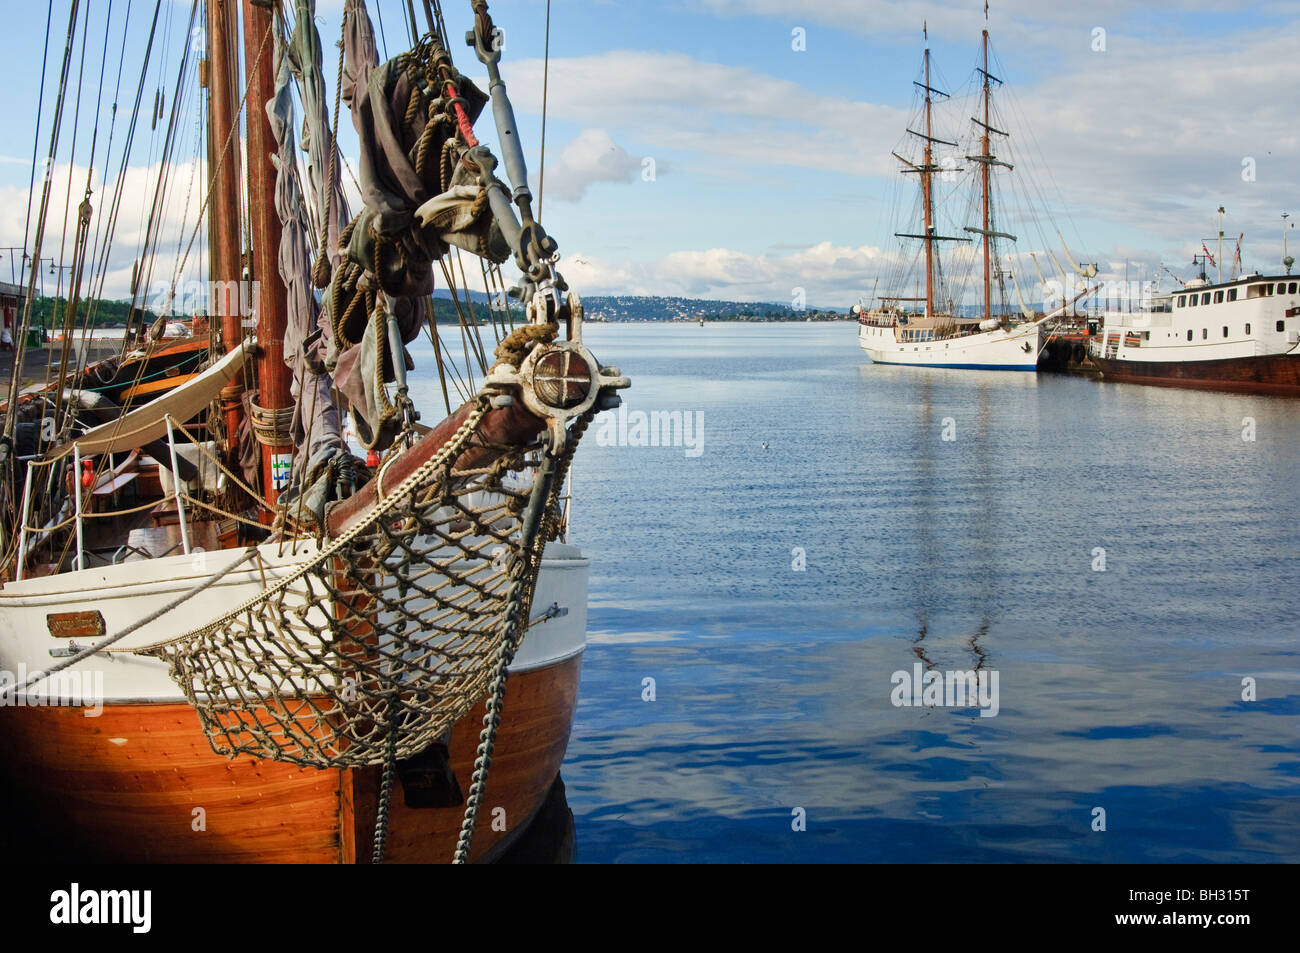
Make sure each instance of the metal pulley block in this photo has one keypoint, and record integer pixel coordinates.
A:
(563, 380)
(559, 380)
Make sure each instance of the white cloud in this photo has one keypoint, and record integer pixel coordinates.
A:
(831, 276)
(834, 276)
(175, 226)
(672, 101)
(1030, 26)
(1158, 136)
(1148, 136)
(590, 158)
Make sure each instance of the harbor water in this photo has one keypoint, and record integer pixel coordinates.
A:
(1117, 564)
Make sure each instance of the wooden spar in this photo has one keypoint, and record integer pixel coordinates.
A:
(512, 426)
(223, 207)
(270, 298)
(984, 176)
(926, 172)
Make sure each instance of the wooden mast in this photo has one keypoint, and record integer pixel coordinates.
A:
(224, 207)
(987, 161)
(269, 295)
(926, 172)
(927, 196)
(984, 176)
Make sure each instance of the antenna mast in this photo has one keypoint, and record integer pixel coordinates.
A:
(1218, 263)
(1287, 260)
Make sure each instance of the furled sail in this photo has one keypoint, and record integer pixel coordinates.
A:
(149, 422)
(324, 181)
(317, 420)
(409, 154)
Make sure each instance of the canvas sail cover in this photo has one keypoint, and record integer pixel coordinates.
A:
(148, 423)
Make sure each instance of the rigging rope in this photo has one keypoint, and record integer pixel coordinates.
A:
(322, 270)
(134, 626)
(546, 75)
(10, 419)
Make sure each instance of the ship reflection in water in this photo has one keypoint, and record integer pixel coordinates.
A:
(549, 838)
(1117, 555)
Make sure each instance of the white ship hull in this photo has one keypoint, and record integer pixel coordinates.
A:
(129, 591)
(1250, 317)
(1002, 349)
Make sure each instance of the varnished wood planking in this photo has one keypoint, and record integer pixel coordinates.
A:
(530, 745)
(134, 801)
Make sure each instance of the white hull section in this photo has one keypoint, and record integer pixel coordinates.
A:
(1014, 349)
(129, 591)
(1249, 317)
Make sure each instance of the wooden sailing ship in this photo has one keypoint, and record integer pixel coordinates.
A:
(289, 654)
(927, 327)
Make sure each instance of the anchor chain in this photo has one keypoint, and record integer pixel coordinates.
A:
(385, 790)
(539, 520)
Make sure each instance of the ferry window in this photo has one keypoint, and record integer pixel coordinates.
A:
(1247, 327)
(1268, 290)
(1218, 297)
(1205, 298)
(1281, 326)
(1225, 330)
(1193, 301)
(1232, 294)
(1182, 301)
(1290, 289)
(1189, 334)
(1205, 333)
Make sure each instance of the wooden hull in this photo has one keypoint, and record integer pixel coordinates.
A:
(131, 784)
(1274, 374)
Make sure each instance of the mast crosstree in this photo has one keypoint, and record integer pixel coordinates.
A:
(926, 171)
(987, 161)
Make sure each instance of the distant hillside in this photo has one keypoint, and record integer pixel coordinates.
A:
(112, 314)
(657, 308)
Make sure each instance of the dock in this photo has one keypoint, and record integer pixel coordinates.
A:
(37, 360)
(1066, 352)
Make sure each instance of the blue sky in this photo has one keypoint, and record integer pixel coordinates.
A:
(772, 167)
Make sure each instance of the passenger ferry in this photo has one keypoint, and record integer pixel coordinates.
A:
(1239, 335)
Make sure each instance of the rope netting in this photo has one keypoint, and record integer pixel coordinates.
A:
(375, 645)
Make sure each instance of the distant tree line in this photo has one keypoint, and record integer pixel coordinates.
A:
(50, 313)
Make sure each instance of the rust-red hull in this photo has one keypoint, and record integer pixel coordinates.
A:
(127, 786)
(1277, 374)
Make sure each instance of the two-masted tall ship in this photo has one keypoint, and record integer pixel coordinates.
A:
(920, 319)
(226, 636)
